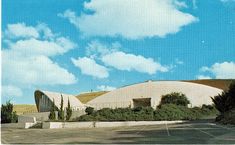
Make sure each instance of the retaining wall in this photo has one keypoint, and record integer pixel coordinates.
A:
(18, 125)
(48, 125)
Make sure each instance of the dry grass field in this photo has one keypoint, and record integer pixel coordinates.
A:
(86, 97)
(24, 108)
(218, 83)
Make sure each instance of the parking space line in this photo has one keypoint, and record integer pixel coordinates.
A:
(167, 130)
(220, 126)
(141, 129)
(201, 131)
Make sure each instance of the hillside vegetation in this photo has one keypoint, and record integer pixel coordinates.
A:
(24, 108)
(86, 97)
(217, 83)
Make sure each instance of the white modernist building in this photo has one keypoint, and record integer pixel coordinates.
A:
(150, 93)
(44, 100)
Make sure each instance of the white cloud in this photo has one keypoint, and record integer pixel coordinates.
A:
(111, 56)
(27, 61)
(105, 88)
(21, 30)
(73, 19)
(178, 61)
(36, 70)
(96, 48)
(129, 62)
(132, 19)
(11, 91)
(88, 66)
(33, 46)
(224, 70)
(47, 33)
(202, 77)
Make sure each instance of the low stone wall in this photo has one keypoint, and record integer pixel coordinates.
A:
(40, 116)
(48, 125)
(18, 125)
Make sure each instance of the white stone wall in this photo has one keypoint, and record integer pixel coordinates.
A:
(53, 125)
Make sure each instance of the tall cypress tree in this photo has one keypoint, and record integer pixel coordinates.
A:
(68, 111)
(52, 111)
(61, 111)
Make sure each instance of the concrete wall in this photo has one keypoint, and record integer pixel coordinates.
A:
(48, 125)
(18, 125)
(23, 119)
(40, 116)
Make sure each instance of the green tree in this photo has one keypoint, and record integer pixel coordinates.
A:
(68, 111)
(52, 111)
(61, 111)
(7, 114)
(226, 100)
(175, 98)
(89, 110)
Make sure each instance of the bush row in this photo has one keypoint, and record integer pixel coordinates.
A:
(163, 112)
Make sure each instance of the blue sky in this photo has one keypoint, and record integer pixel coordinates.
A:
(75, 46)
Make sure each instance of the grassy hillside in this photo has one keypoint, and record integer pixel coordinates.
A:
(221, 84)
(86, 97)
(24, 108)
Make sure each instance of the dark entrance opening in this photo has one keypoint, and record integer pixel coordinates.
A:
(142, 102)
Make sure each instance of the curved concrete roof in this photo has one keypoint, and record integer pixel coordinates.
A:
(74, 102)
(198, 94)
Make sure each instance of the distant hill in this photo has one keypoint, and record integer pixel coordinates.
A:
(217, 83)
(86, 97)
(24, 108)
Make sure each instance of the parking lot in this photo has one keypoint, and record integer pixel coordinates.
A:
(185, 133)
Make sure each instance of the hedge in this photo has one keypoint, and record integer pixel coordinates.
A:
(164, 112)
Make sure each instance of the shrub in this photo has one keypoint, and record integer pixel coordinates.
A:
(170, 112)
(174, 98)
(7, 114)
(68, 111)
(86, 118)
(163, 112)
(89, 110)
(52, 111)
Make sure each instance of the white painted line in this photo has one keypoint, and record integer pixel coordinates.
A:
(167, 130)
(220, 126)
(141, 129)
(202, 131)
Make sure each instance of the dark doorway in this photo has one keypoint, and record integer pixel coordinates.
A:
(142, 102)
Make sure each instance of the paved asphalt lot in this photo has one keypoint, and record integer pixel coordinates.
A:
(185, 133)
